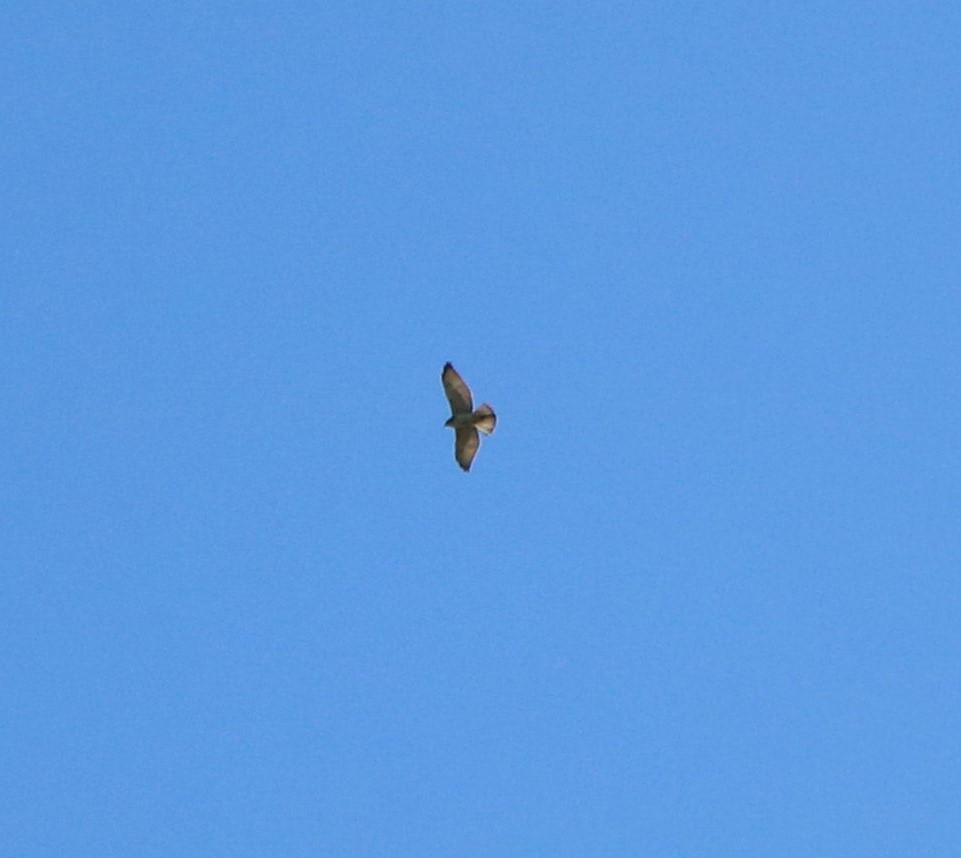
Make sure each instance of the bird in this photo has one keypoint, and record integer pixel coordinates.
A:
(464, 420)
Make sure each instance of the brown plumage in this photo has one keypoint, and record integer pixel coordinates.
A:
(464, 420)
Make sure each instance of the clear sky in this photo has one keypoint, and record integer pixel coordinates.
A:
(699, 595)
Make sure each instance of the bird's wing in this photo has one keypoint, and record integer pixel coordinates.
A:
(466, 442)
(458, 393)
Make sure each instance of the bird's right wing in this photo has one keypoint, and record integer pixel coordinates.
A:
(466, 442)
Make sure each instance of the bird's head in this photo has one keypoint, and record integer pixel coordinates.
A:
(450, 423)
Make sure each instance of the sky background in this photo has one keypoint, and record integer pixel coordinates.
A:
(699, 595)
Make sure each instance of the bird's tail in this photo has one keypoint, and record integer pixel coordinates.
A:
(485, 419)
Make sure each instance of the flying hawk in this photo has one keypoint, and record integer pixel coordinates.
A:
(465, 421)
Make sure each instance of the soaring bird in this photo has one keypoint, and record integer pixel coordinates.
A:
(465, 421)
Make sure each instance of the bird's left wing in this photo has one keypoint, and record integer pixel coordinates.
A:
(458, 393)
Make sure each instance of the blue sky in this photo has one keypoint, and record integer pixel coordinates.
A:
(699, 594)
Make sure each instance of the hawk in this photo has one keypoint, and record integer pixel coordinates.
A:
(465, 421)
